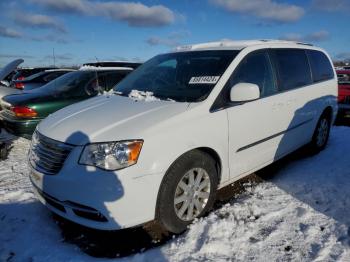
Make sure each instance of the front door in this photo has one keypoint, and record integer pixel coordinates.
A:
(256, 127)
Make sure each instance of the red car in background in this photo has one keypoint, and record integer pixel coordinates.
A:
(344, 92)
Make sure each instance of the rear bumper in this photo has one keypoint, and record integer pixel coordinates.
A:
(23, 128)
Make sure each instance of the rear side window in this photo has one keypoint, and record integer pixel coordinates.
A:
(321, 68)
(293, 68)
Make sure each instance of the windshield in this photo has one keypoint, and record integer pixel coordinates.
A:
(182, 77)
(343, 79)
(68, 82)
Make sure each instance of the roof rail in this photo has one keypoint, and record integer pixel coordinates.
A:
(285, 41)
(302, 43)
(240, 44)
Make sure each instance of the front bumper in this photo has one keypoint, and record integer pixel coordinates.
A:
(96, 198)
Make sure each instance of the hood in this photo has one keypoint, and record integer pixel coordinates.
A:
(9, 68)
(107, 118)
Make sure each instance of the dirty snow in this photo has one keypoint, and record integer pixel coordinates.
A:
(301, 213)
(143, 96)
(98, 68)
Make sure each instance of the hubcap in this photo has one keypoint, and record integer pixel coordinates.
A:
(322, 133)
(192, 194)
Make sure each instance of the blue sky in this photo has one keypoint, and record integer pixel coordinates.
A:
(82, 30)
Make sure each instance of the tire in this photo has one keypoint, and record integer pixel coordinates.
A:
(201, 167)
(321, 134)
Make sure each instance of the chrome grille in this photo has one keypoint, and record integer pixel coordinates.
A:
(47, 155)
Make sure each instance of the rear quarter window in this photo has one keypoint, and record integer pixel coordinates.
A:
(321, 67)
(293, 68)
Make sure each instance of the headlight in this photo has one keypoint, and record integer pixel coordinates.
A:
(111, 156)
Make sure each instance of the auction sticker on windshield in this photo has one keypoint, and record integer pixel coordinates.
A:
(204, 80)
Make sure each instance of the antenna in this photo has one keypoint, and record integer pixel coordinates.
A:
(97, 80)
(54, 57)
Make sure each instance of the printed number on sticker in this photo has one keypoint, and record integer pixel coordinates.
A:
(204, 80)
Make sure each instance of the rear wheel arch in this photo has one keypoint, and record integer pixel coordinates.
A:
(321, 135)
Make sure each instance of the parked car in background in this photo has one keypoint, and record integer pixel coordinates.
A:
(344, 92)
(132, 65)
(34, 81)
(22, 73)
(7, 72)
(21, 113)
(178, 128)
(39, 79)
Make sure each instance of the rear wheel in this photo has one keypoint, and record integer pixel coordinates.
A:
(321, 133)
(188, 191)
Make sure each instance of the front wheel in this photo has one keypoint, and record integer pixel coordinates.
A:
(321, 134)
(188, 191)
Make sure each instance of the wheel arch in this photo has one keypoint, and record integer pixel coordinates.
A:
(213, 154)
(328, 111)
(209, 151)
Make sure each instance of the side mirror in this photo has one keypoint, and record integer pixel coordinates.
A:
(244, 92)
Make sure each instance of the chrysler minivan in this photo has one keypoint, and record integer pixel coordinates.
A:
(178, 128)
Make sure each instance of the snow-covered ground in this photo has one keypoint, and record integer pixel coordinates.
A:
(299, 212)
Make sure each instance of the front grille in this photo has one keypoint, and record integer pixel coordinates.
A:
(47, 155)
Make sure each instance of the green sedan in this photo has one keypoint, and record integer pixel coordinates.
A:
(20, 113)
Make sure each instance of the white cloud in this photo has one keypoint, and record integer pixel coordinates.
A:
(15, 56)
(10, 33)
(318, 36)
(263, 9)
(133, 13)
(155, 40)
(38, 21)
(172, 40)
(331, 6)
(49, 38)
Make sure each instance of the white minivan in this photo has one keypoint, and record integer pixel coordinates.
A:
(178, 128)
